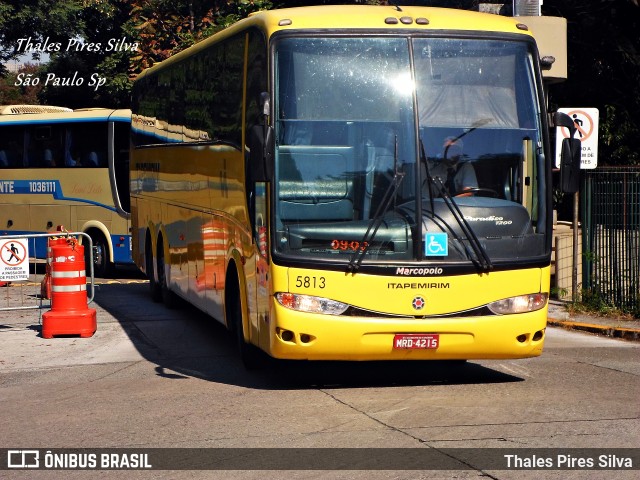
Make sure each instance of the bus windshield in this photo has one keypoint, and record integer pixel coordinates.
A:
(408, 149)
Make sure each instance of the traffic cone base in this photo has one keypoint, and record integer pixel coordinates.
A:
(82, 323)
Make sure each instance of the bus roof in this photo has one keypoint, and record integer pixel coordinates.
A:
(20, 109)
(360, 17)
(62, 115)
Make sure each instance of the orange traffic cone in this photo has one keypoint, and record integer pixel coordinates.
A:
(69, 314)
(45, 285)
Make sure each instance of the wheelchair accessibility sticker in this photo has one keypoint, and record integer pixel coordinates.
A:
(436, 244)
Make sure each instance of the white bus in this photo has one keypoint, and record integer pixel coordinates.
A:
(67, 167)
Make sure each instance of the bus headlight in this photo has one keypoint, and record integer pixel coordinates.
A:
(308, 303)
(519, 304)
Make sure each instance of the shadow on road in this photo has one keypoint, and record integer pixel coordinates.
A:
(184, 342)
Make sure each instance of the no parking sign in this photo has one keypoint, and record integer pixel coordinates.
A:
(14, 260)
(586, 122)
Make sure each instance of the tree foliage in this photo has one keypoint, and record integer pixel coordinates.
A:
(36, 20)
(604, 71)
(12, 94)
(165, 27)
(102, 22)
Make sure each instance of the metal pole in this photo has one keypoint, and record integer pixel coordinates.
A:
(574, 273)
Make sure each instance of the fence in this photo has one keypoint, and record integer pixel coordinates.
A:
(26, 294)
(562, 260)
(611, 236)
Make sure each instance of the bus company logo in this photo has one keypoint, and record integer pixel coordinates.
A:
(491, 218)
(406, 271)
(23, 459)
(418, 303)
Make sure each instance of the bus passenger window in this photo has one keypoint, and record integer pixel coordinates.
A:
(81, 145)
(11, 147)
(44, 147)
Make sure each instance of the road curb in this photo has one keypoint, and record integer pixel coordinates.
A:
(632, 334)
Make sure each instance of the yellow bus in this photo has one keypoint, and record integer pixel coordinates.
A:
(291, 176)
(67, 167)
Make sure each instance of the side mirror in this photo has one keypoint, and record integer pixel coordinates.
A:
(261, 143)
(266, 105)
(570, 155)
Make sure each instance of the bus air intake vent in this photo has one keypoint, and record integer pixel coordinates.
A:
(19, 109)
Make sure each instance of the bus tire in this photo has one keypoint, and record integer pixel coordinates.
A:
(102, 266)
(154, 287)
(169, 298)
(250, 355)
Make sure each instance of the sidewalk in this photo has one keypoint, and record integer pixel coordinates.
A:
(559, 316)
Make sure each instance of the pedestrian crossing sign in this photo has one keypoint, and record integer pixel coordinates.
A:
(586, 122)
(14, 260)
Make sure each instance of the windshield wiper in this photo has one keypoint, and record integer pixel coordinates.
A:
(430, 181)
(423, 158)
(481, 254)
(356, 258)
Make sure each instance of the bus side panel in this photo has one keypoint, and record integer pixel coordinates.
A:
(14, 220)
(176, 222)
(211, 270)
(194, 251)
(138, 232)
(201, 215)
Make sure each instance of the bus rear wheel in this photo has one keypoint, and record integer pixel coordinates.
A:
(154, 288)
(169, 298)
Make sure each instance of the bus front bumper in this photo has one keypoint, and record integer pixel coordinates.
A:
(304, 336)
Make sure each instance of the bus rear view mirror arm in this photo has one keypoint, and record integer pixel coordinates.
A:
(261, 143)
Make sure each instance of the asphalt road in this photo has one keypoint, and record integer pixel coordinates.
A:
(157, 378)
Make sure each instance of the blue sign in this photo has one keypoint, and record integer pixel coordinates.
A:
(436, 244)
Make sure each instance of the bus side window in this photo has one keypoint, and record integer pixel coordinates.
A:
(81, 141)
(44, 147)
(91, 160)
(11, 140)
(48, 154)
(47, 158)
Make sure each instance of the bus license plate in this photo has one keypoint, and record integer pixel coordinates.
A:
(416, 341)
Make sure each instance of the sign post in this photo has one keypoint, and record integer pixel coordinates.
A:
(586, 122)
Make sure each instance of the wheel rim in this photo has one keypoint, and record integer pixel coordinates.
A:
(98, 255)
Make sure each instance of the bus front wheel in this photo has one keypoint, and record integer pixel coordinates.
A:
(102, 266)
(249, 354)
